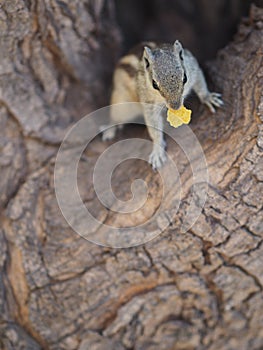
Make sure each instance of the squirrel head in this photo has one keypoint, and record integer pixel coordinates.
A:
(166, 73)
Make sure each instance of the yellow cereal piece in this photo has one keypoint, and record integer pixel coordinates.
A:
(179, 116)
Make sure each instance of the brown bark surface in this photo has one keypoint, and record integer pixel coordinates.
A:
(197, 290)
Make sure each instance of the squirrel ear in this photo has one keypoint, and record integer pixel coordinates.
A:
(177, 46)
(148, 53)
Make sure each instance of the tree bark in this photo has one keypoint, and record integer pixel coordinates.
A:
(197, 290)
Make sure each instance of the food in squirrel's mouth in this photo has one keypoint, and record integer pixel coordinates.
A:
(179, 116)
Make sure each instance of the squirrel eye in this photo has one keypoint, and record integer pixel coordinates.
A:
(147, 64)
(185, 79)
(155, 86)
(181, 55)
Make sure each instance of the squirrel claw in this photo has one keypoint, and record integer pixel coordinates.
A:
(157, 157)
(213, 99)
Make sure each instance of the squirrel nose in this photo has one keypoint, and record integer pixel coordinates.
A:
(175, 105)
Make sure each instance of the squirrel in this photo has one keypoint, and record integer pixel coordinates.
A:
(160, 75)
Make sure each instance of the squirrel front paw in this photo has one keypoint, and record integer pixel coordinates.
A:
(108, 133)
(212, 100)
(157, 157)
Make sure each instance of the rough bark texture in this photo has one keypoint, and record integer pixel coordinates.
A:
(198, 290)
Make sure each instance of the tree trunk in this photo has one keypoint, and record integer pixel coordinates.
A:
(196, 290)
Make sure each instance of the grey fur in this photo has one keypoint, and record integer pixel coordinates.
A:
(164, 67)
